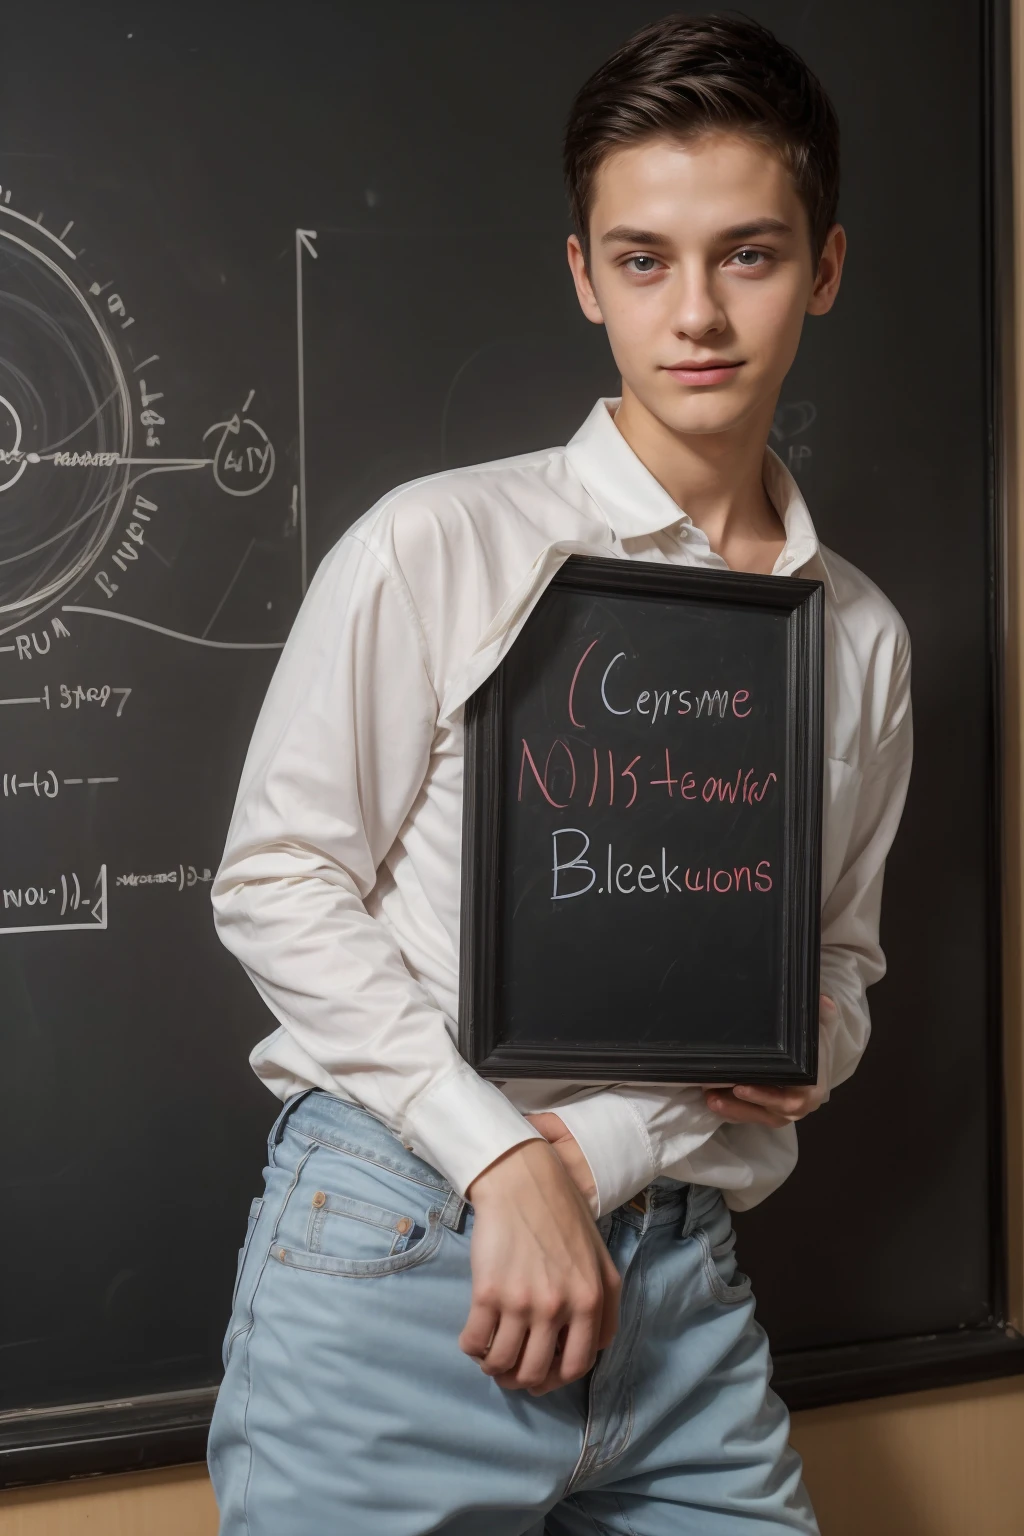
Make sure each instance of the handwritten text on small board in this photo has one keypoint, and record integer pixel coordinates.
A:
(642, 853)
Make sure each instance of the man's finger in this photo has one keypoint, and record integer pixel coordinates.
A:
(783, 1101)
(736, 1112)
(579, 1350)
(533, 1366)
(479, 1330)
(506, 1346)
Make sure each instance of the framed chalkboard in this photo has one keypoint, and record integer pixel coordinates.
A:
(642, 831)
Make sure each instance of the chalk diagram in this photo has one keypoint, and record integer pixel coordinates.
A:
(84, 443)
(82, 435)
(84, 459)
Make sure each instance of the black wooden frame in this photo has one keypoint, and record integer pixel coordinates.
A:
(795, 1057)
(149, 1431)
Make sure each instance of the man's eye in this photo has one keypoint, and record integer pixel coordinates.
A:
(640, 269)
(747, 258)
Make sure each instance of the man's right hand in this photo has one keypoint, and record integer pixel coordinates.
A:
(545, 1289)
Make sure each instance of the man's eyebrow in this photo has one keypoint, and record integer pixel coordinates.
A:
(754, 228)
(624, 234)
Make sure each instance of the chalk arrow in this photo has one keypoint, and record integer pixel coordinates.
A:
(306, 237)
(99, 907)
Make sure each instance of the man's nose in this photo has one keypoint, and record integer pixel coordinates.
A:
(697, 311)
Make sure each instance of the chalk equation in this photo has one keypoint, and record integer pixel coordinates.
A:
(183, 878)
(75, 696)
(59, 904)
(45, 784)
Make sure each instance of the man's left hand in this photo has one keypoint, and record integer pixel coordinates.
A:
(750, 1104)
(762, 1105)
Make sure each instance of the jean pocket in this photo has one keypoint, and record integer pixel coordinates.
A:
(726, 1281)
(344, 1228)
(348, 1216)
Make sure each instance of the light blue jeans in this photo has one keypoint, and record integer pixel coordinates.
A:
(348, 1409)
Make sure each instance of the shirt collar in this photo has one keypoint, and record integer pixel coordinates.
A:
(635, 504)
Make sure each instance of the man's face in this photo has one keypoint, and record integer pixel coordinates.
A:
(700, 255)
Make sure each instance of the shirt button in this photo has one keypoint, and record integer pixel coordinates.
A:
(319, 1198)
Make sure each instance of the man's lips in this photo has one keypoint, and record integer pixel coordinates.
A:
(714, 371)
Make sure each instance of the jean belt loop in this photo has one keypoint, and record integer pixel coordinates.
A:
(687, 1221)
(684, 1210)
(277, 1129)
(451, 1211)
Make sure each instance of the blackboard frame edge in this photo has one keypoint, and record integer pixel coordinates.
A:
(999, 258)
(803, 955)
(802, 600)
(479, 905)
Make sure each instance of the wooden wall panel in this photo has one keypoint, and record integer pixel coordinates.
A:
(175, 1502)
(930, 1464)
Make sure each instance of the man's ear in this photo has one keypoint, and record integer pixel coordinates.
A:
(581, 277)
(830, 271)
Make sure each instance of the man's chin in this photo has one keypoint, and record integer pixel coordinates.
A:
(700, 418)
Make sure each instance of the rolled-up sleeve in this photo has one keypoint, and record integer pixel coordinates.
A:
(336, 763)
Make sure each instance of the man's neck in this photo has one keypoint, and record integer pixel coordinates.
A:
(716, 478)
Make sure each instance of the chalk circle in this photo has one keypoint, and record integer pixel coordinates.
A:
(244, 459)
(14, 445)
(63, 390)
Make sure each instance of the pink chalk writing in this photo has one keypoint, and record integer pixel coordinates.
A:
(740, 786)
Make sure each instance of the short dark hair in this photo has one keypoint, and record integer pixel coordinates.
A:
(684, 76)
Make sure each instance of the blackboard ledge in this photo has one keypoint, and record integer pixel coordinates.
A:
(819, 1378)
(170, 1428)
(126, 1434)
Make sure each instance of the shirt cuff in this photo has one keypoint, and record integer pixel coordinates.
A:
(614, 1142)
(462, 1124)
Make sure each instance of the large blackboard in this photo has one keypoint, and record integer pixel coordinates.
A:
(258, 266)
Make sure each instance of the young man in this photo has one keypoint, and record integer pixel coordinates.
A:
(490, 1309)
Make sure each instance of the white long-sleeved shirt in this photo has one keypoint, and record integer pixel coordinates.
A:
(339, 886)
